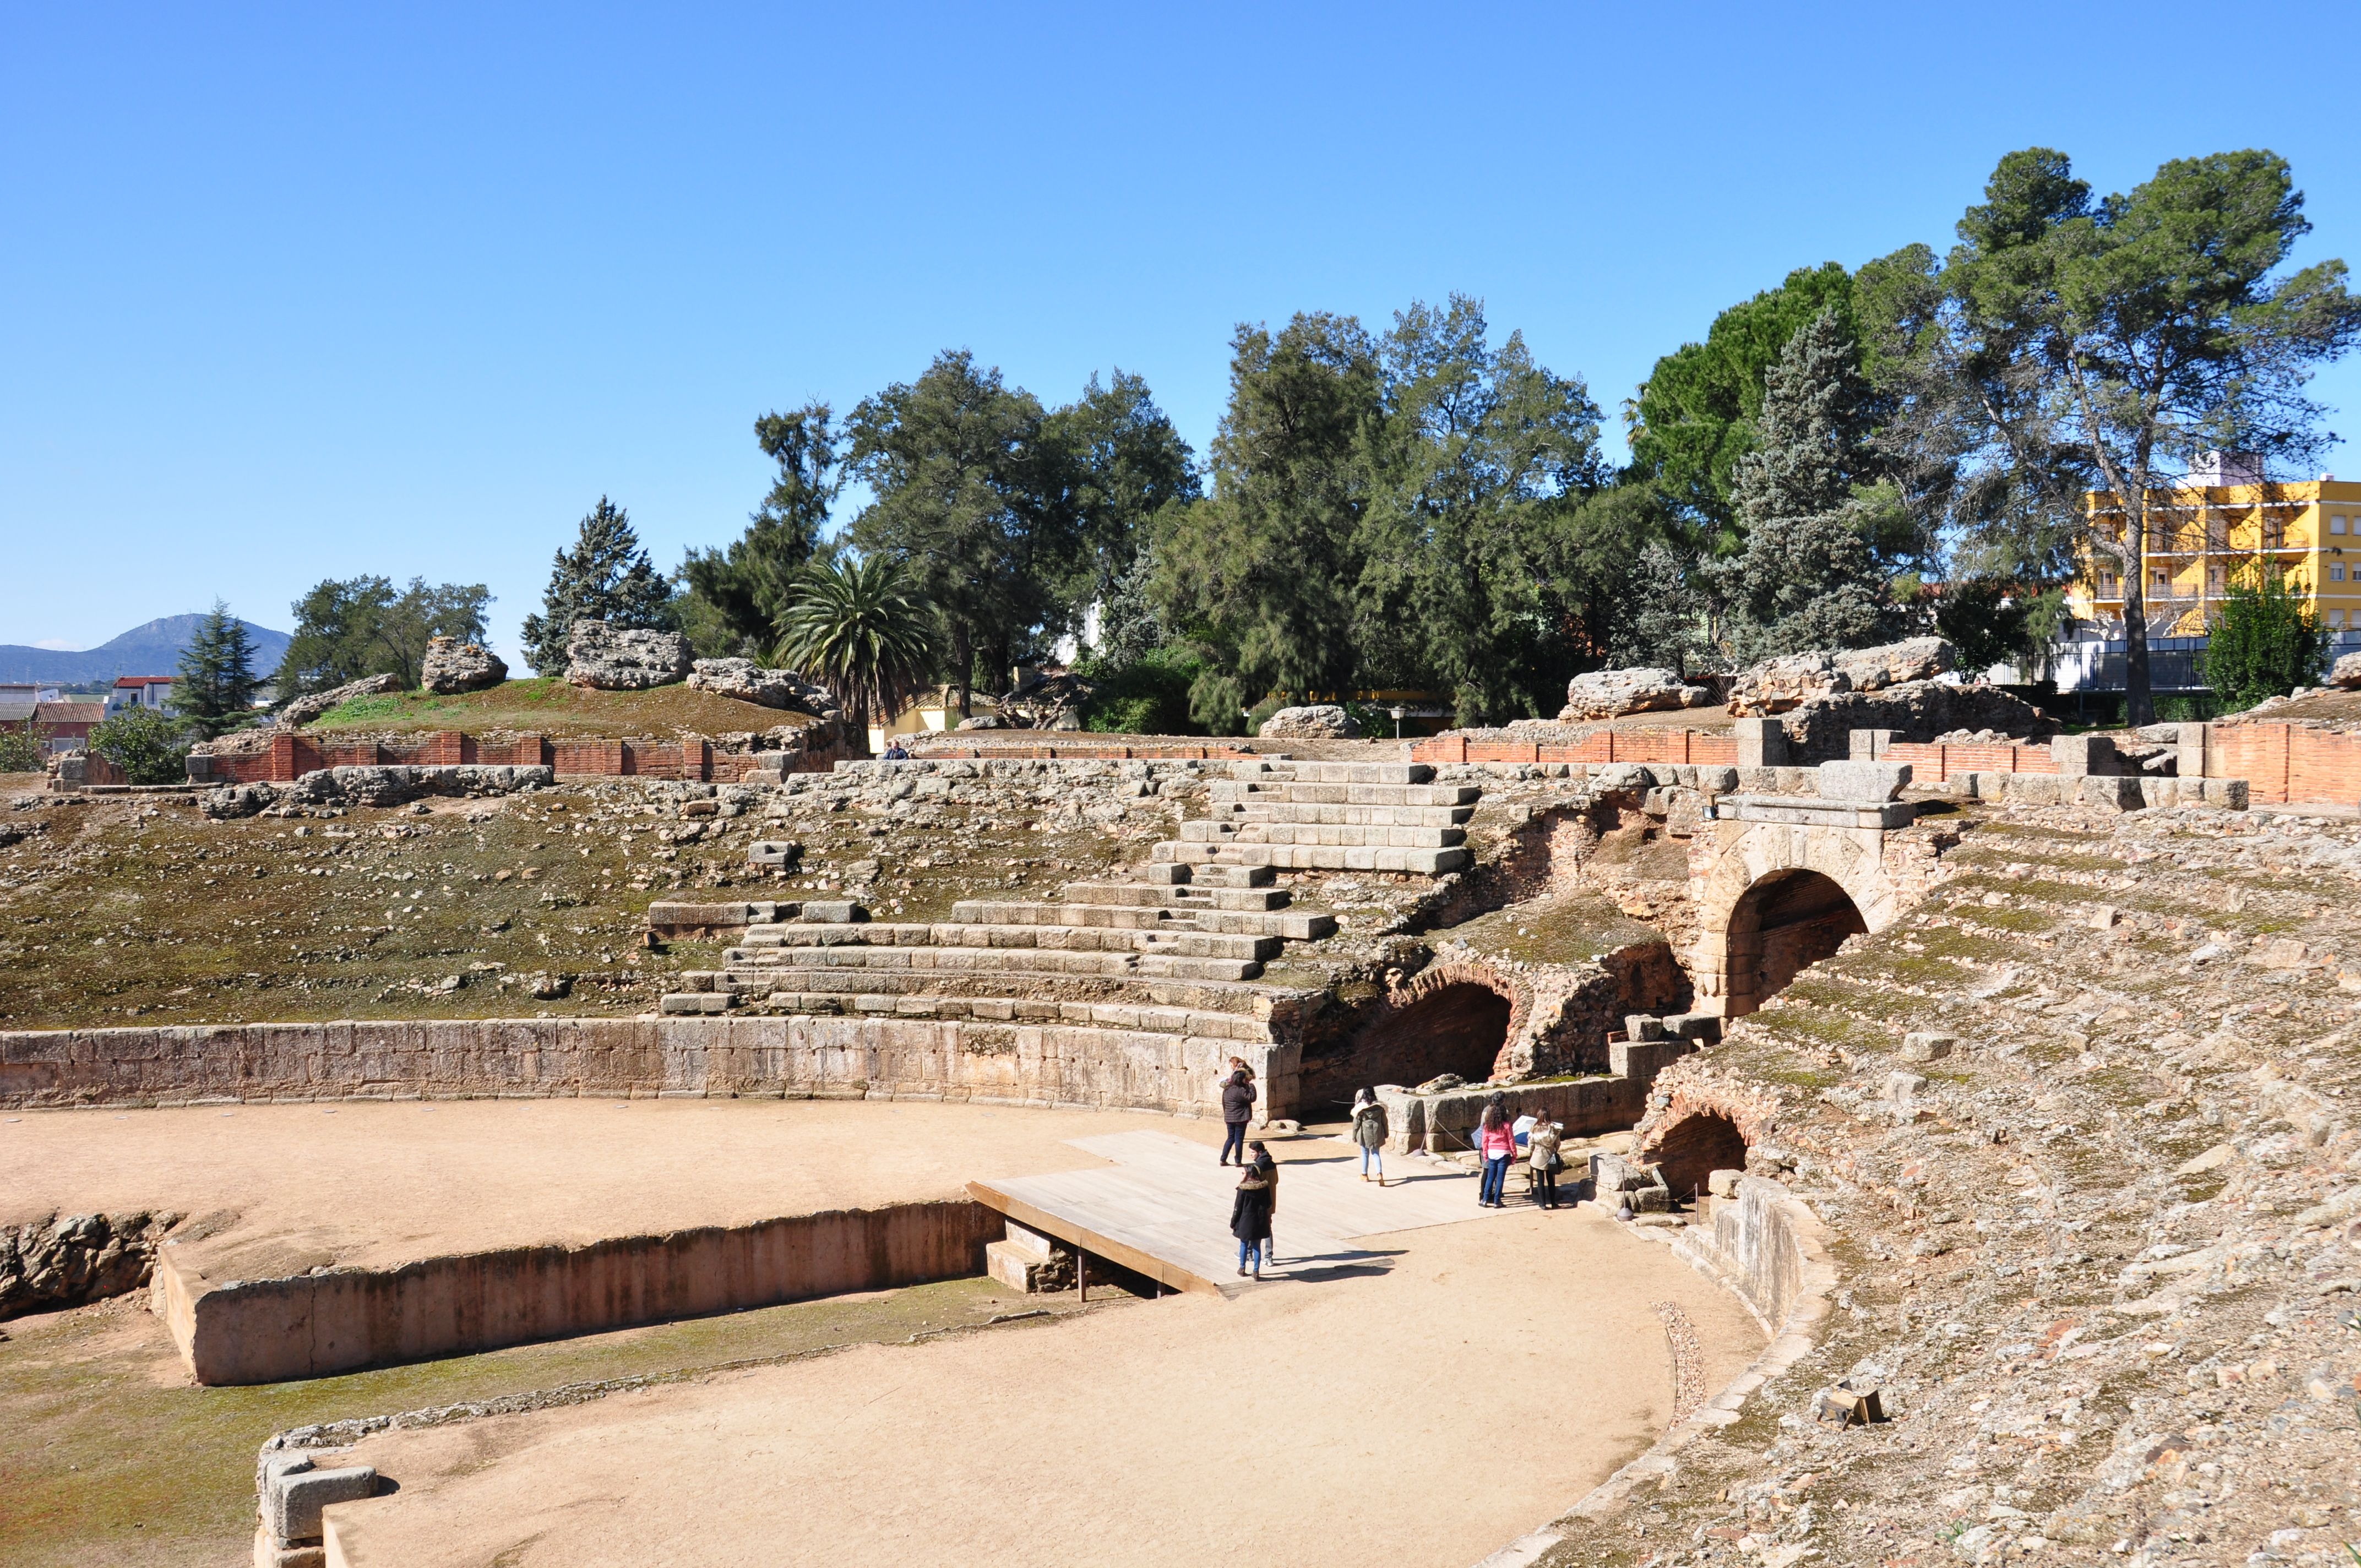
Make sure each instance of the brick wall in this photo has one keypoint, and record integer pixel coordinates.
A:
(2285, 762)
(1693, 746)
(1931, 763)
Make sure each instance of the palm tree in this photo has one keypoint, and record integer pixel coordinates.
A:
(860, 629)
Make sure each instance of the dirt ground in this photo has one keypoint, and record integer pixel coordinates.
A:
(279, 1188)
(1421, 1414)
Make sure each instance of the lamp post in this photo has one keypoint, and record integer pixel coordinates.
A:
(1396, 711)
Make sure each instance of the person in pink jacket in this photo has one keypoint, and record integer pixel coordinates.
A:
(1496, 1144)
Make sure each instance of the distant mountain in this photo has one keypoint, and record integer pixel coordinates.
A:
(154, 649)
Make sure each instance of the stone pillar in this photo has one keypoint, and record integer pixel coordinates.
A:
(2190, 758)
(1867, 745)
(2083, 756)
(1762, 743)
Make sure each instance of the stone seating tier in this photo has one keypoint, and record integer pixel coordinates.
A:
(1183, 940)
(1174, 951)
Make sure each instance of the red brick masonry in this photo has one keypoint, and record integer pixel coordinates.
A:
(291, 756)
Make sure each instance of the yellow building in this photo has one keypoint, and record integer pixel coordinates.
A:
(2202, 532)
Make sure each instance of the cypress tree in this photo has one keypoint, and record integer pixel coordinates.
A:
(605, 577)
(214, 690)
(1808, 577)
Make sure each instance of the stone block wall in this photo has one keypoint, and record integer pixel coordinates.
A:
(1046, 1064)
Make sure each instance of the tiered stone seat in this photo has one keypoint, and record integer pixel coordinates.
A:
(1160, 972)
(1350, 817)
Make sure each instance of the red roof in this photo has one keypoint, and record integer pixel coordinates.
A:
(135, 681)
(69, 712)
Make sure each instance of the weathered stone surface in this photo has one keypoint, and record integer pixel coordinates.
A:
(1915, 711)
(294, 1498)
(1319, 721)
(1927, 1045)
(1778, 686)
(612, 658)
(304, 709)
(396, 784)
(1610, 693)
(452, 666)
(64, 1260)
(982, 721)
(2347, 672)
(749, 682)
(1863, 780)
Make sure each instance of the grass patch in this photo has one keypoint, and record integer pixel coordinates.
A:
(114, 916)
(549, 705)
(90, 1399)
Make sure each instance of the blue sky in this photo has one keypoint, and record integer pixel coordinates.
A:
(299, 292)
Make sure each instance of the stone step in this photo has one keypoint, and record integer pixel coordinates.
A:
(1130, 1014)
(1182, 895)
(1339, 815)
(1174, 965)
(1316, 857)
(1298, 926)
(1332, 773)
(1293, 925)
(1206, 832)
(1179, 938)
(1202, 876)
(1223, 791)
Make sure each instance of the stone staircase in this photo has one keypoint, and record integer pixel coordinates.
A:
(1329, 817)
(1162, 973)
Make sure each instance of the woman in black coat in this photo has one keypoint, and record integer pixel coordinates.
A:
(1250, 1221)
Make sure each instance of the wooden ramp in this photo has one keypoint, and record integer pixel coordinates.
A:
(1162, 1209)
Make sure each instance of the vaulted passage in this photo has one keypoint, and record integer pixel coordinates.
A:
(1693, 1149)
(1456, 1028)
(1783, 925)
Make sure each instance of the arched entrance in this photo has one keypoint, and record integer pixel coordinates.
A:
(1694, 1147)
(1782, 925)
(1454, 1018)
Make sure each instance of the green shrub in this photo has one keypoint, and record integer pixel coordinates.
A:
(1147, 697)
(2267, 641)
(20, 749)
(149, 748)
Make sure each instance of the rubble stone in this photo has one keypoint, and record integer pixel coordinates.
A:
(1610, 693)
(304, 709)
(749, 682)
(1321, 722)
(2347, 672)
(616, 659)
(452, 666)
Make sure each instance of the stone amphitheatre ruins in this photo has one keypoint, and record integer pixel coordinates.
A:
(456, 1149)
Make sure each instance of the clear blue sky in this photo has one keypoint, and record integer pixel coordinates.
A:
(306, 291)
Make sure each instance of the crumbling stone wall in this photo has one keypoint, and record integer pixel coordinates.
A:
(65, 1260)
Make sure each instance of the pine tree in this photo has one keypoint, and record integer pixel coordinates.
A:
(1808, 577)
(605, 577)
(1664, 620)
(214, 690)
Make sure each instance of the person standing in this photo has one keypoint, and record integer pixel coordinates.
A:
(1543, 1160)
(1267, 1169)
(1237, 1110)
(1370, 1131)
(1250, 1220)
(1496, 1144)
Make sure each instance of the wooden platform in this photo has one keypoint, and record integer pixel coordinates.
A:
(1162, 1209)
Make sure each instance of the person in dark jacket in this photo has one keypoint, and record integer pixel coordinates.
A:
(1250, 1220)
(1267, 1169)
(1237, 1110)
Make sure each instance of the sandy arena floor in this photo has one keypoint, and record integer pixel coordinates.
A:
(1424, 1414)
(280, 1188)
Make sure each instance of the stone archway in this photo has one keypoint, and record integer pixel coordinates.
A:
(1449, 1018)
(1783, 925)
(1780, 896)
(1688, 1151)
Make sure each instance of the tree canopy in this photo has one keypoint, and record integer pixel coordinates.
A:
(605, 577)
(361, 626)
(748, 585)
(214, 691)
(2111, 341)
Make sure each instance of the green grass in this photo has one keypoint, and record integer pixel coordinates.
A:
(91, 1400)
(548, 706)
